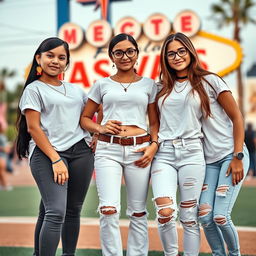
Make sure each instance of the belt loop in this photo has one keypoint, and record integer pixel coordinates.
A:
(183, 142)
(111, 139)
(134, 141)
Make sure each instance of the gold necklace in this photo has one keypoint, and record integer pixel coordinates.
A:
(126, 87)
(51, 86)
(182, 88)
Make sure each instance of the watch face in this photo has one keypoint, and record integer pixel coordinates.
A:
(240, 155)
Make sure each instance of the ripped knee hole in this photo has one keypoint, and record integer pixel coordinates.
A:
(222, 188)
(189, 223)
(204, 209)
(139, 214)
(108, 210)
(166, 212)
(164, 220)
(220, 220)
(188, 204)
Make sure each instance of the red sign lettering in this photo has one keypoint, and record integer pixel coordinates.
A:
(202, 51)
(155, 69)
(127, 24)
(186, 23)
(98, 69)
(79, 75)
(156, 23)
(70, 35)
(142, 66)
(98, 33)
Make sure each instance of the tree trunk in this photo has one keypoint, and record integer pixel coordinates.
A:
(240, 90)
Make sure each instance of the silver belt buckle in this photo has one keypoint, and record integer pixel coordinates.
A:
(121, 138)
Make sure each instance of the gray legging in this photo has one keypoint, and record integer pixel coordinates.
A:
(61, 205)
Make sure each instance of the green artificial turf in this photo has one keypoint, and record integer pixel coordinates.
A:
(21, 251)
(24, 201)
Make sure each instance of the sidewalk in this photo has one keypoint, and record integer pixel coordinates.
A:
(18, 231)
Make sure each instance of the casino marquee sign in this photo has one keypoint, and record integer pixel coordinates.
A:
(90, 61)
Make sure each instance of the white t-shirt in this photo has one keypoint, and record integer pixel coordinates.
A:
(129, 107)
(180, 114)
(59, 114)
(218, 129)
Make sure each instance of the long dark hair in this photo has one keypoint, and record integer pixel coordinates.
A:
(118, 38)
(23, 137)
(195, 72)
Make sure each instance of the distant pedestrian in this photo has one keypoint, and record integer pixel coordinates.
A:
(250, 141)
(3, 160)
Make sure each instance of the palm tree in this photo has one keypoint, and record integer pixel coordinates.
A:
(235, 12)
(5, 73)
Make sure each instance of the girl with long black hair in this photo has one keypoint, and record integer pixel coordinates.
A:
(49, 134)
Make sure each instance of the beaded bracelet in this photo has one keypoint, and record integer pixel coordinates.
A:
(154, 141)
(55, 162)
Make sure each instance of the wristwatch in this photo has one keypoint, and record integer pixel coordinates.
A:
(239, 155)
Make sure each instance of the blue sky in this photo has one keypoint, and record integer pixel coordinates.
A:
(25, 23)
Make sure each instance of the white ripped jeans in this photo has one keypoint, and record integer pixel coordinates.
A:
(179, 163)
(111, 162)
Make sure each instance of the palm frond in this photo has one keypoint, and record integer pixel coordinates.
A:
(220, 14)
(248, 4)
(218, 9)
(5, 73)
(251, 20)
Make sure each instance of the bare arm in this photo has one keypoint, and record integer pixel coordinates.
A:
(96, 135)
(151, 150)
(33, 123)
(112, 126)
(153, 121)
(229, 105)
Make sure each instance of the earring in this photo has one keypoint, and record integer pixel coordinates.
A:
(137, 63)
(39, 71)
(113, 66)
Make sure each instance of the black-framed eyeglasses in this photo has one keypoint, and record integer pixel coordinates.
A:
(181, 53)
(119, 54)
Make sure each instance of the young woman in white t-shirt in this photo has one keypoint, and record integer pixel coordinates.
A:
(179, 163)
(227, 163)
(49, 134)
(124, 146)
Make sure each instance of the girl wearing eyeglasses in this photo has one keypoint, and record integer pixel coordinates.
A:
(190, 99)
(124, 146)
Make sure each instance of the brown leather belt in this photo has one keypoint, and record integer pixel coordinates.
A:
(125, 141)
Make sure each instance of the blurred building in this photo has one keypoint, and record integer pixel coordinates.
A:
(250, 94)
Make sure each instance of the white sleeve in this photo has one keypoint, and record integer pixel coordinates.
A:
(218, 85)
(30, 100)
(153, 93)
(159, 87)
(95, 93)
(85, 97)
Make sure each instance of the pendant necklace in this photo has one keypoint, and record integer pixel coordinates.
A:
(125, 88)
(52, 87)
(181, 89)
